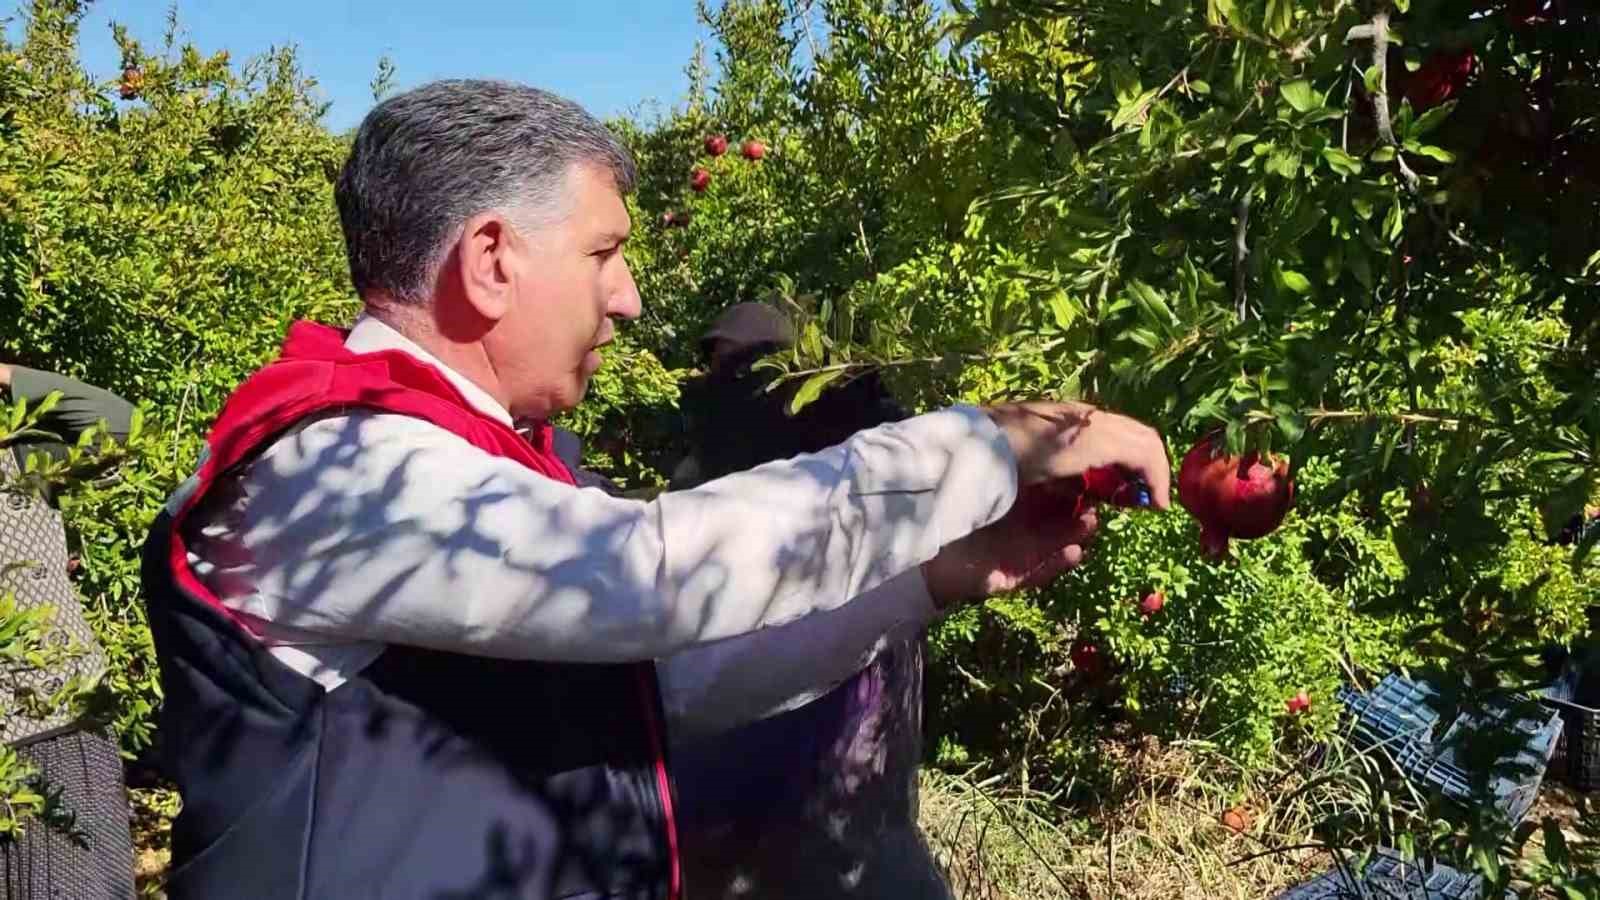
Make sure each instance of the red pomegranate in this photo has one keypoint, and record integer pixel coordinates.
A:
(753, 149)
(716, 144)
(1442, 76)
(1299, 703)
(1231, 496)
(699, 180)
(1152, 603)
(1086, 657)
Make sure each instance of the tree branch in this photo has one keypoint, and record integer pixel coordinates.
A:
(1378, 32)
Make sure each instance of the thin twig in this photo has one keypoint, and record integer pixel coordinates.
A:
(1411, 418)
(1344, 128)
(861, 231)
(1274, 851)
(1046, 347)
(1241, 251)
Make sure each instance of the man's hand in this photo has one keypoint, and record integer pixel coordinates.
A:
(1030, 546)
(1046, 532)
(5, 376)
(1055, 441)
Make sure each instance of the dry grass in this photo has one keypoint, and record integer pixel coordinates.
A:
(153, 810)
(1161, 837)
(1160, 834)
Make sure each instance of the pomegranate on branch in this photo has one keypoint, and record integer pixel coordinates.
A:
(1244, 497)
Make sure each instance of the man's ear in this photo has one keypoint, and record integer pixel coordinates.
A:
(483, 260)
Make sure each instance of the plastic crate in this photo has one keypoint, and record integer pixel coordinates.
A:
(1390, 877)
(1514, 778)
(1575, 696)
(1396, 712)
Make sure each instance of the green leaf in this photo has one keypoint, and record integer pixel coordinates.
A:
(1438, 153)
(1394, 223)
(1370, 79)
(1383, 154)
(1341, 162)
(1155, 307)
(1200, 87)
(1284, 162)
(812, 389)
(1280, 17)
(1300, 95)
(1124, 81)
(1433, 118)
(1145, 338)
(1239, 140)
(1065, 311)
(1292, 426)
(1360, 266)
(1130, 111)
(1294, 281)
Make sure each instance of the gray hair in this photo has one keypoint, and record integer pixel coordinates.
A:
(426, 160)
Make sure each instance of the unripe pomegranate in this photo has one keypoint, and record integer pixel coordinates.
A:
(1233, 497)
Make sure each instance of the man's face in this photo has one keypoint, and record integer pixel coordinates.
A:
(571, 279)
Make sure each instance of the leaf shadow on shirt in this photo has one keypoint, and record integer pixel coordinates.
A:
(360, 550)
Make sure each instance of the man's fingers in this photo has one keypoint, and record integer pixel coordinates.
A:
(1154, 468)
(1054, 566)
(1136, 448)
(1084, 529)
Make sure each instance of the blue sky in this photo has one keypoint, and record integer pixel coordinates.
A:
(606, 54)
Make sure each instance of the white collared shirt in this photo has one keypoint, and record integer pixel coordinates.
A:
(756, 592)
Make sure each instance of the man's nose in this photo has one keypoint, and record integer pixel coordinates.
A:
(625, 302)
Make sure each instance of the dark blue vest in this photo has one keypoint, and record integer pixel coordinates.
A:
(431, 775)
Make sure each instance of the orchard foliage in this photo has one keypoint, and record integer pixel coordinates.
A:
(1289, 224)
(1361, 236)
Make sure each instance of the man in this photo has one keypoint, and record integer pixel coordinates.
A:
(817, 801)
(404, 655)
(78, 758)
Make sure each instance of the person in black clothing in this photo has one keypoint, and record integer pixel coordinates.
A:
(818, 801)
(80, 759)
